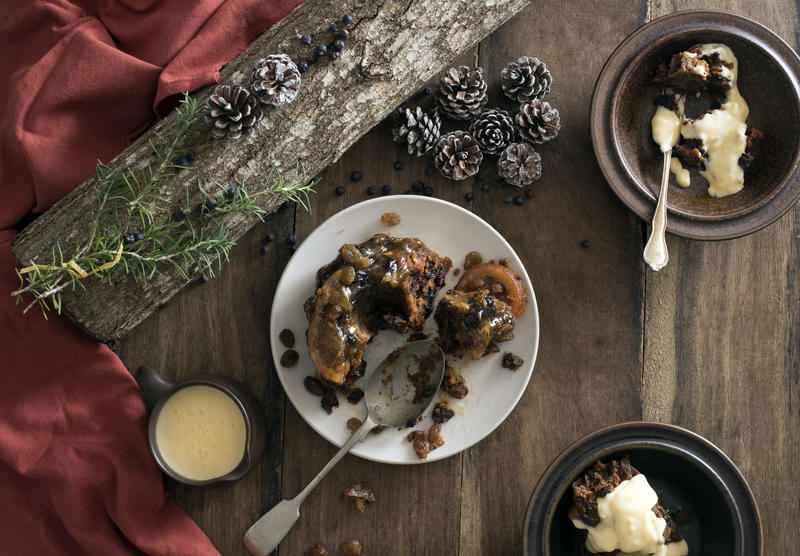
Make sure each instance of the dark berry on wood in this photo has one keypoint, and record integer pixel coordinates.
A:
(355, 176)
(342, 34)
(398, 165)
(338, 45)
(320, 51)
(265, 249)
(190, 156)
(286, 205)
(339, 190)
(479, 176)
(386, 189)
(204, 278)
(370, 190)
(232, 193)
(428, 191)
(519, 199)
(179, 215)
(182, 162)
(430, 170)
(426, 90)
(347, 19)
(291, 239)
(418, 187)
(585, 244)
(269, 237)
(302, 67)
(507, 199)
(292, 248)
(210, 205)
(468, 196)
(333, 55)
(333, 27)
(139, 236)
(305, 39)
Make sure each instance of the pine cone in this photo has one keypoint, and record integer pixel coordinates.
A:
(462, 92)
(537, 121)
(234, 112)
(493, 129)
(520, 165)
(417, 129)
(526, 79)
(275, 79)
(458, 155)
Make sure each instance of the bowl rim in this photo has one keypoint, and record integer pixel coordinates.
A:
(602, 118)
(641, 434)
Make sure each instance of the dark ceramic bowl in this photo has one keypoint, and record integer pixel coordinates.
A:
(687, 472)
(622, 107)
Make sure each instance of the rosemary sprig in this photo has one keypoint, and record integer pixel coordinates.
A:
(129, 201)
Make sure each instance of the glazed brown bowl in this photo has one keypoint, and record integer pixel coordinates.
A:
(631, 162)
(718, 514)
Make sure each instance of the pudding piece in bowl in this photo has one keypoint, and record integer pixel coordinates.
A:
(620, 512)
(384, 283)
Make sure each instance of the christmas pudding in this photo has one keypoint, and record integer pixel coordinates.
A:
(472, 323)
(481, 311)
(615, 505)
(384, 283)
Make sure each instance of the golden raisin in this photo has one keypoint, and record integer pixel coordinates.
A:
(390, 219)
(472, 258)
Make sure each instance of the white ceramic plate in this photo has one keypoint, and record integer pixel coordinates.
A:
(452, 232)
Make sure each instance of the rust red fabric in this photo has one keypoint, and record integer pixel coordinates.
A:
(78, 81)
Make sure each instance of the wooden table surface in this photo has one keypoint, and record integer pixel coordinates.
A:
(711, 343)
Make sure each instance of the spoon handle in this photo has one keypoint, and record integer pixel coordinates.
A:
(655, 252)
(265, 534)
(357, 436)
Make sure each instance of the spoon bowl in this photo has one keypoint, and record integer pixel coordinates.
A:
(397, 393)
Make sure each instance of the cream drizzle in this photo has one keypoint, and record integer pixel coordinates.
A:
(628, 524)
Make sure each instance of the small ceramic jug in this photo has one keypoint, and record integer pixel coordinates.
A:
(156, 391)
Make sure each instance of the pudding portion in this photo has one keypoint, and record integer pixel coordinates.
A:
(384, 283)
(620, 513)
(472, 323)
(719, 140)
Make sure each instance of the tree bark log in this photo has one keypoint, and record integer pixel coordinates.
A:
(393, 49)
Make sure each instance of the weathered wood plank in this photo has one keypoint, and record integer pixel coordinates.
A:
(722, 349)
(222, 327)
(588, 372)
(394, 47)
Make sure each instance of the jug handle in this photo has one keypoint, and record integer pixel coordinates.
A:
(152, 386)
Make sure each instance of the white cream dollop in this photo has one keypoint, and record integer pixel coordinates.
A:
(627, 523)
(666, 126)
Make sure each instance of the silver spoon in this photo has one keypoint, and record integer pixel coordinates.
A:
(392, 400)
(655, 252)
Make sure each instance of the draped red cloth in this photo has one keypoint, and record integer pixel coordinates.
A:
(78, 81)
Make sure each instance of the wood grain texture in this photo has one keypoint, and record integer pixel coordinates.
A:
(337, 104)
(588, 372)
(711, 343)
(722, 349)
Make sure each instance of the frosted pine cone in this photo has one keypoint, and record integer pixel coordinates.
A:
(462, 93)
(537, 121)
(493, 129)
(520, 165)
(526, 79)
(275, 80)
(417, 129)
(458, 155)
(233, 111)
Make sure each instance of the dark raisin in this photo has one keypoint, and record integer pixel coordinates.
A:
(472, 320)
(286, 337)
(442, 413)
(289, 358)
(355, 396)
